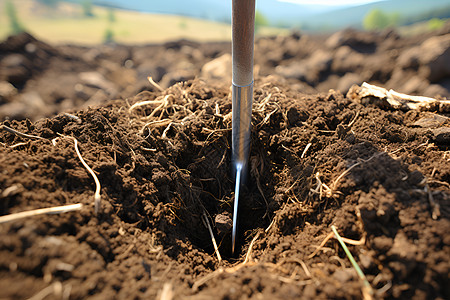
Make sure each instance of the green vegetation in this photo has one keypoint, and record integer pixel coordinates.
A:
(14, 23)
(87, 8)
(260, 21)
(435, 24)
(64, 25)
(376, 19)
(108, 36)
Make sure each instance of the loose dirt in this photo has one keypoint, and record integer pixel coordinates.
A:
(381, 176)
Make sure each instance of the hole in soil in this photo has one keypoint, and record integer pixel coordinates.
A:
(251, 216)
(208, 188)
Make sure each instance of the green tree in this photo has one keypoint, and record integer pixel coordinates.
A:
(87, 8)
(260, 20)
(14, 23)
(435, 24)
(376, 19)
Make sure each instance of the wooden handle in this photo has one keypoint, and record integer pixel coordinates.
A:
(243, 21)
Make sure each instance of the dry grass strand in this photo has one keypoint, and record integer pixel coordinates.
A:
(20, 134)
(41, 211)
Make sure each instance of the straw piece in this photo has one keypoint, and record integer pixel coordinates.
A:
(18, 133)
(41, 211)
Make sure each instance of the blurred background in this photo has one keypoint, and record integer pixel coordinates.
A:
(61, 56)
(136, 21)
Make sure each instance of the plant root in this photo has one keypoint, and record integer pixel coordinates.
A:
(301, 263)
(326, 239)
(144, 103)
(249, 251)
(97, 197)
(208, 225)
(156, 124)
(362, 241)
(157, 86)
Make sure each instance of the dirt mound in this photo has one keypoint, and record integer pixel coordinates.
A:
(38, 80)
(350, 57)
(379, 175)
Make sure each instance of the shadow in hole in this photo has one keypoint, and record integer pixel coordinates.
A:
(206, 186)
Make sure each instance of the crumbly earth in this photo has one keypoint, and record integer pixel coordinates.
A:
(380, 176)
(39, 80)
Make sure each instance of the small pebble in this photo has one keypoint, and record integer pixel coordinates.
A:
(223, 223)
(442, 135)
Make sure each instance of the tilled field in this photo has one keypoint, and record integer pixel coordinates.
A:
(319, 158)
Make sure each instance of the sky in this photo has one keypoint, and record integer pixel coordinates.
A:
(331, 2)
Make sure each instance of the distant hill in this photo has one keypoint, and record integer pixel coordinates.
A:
(204, 9)
(276, 12)
(353, 16)
(286, 14)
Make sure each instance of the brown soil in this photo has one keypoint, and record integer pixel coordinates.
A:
(317, 159)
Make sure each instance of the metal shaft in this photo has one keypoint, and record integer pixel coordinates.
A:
(235, 210)
(243, 23)
(243, 32)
